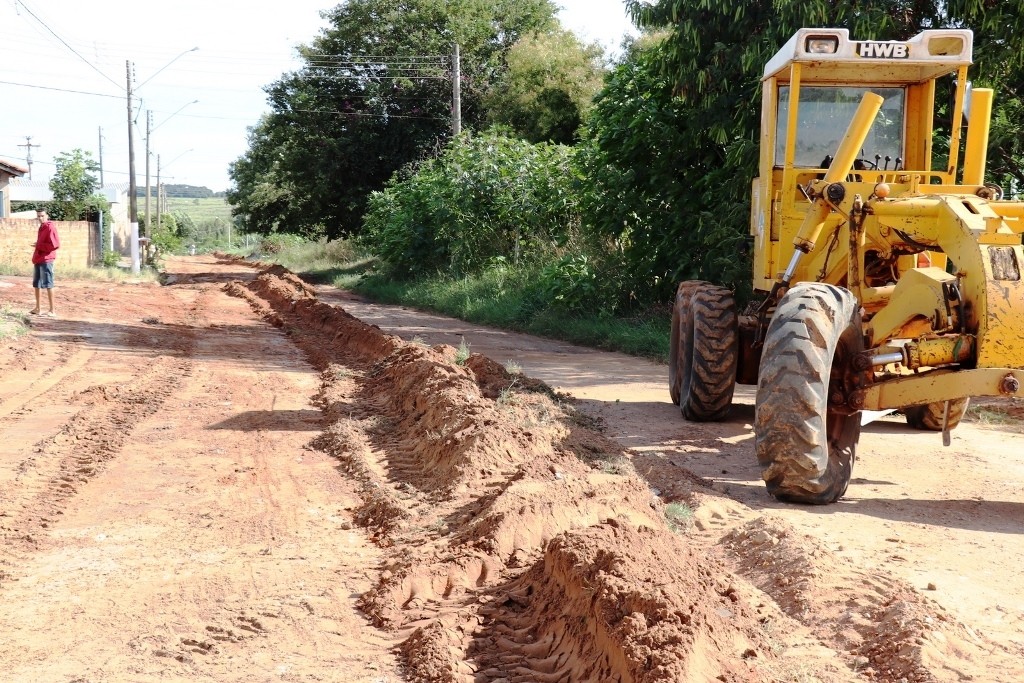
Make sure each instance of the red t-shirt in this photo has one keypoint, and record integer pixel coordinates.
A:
(47, 243)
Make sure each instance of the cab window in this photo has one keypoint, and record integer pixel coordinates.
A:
(826, 111)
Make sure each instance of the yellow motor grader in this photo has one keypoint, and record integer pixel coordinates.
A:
(882, 282)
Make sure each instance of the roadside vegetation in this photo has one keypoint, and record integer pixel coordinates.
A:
(1005, 413)
(13, 323)
(581, 190)
(111, 273)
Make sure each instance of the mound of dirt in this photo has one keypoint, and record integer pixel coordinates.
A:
(494, 379)
(522, 544)
(613, 602)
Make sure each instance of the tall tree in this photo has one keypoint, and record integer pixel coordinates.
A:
(74, 183)
(548, 86)
(674, 135)
(374, 94)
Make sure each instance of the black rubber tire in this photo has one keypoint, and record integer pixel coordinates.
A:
(929, 416)
(680, 319)
(710, 355)
(806, 449)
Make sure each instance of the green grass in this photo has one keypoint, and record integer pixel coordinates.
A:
(679, 516)
(13, 323)
(201, 209)
(337, 263)
(62, 272)
(997, 414)
(500, 297)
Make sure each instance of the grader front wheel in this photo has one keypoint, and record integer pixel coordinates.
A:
(804, 446)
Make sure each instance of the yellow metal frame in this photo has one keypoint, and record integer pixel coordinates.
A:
(969, 321)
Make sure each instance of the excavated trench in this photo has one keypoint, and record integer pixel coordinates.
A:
(521, 545)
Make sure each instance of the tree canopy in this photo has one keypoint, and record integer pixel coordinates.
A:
(373, 95)
(74, 183)
(548, 85)
(673, 138)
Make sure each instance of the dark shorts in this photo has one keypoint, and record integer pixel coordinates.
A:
(42, 277)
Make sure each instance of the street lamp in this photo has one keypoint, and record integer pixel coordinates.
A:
(165, 66)
(133, 204)
(174, 114)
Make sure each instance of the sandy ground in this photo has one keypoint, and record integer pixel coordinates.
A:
(166, 513)
(162, 517)
(952, 517)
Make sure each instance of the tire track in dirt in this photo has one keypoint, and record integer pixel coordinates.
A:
(64, 462)
(510, 556)
(22, 386)
(883, 628)
(892, 630)
(221, 549)
(60, 464)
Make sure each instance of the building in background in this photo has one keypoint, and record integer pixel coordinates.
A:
(115, 224)
(8, 172)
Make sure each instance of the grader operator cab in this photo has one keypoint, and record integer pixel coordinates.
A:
(881, 282)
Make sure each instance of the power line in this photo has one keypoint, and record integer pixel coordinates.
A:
(367, 114)
(64, 42)
(44, 87)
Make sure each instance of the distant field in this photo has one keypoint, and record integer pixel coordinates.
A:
(201, 209)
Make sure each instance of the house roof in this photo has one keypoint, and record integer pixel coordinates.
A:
(12, 169)
(39, 191)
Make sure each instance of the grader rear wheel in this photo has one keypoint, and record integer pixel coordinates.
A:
(929, 416)
(709, 355)
(806, 448)
(680, 319)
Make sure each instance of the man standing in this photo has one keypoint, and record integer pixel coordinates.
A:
(47, 244)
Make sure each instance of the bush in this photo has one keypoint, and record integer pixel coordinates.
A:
(578, 282)
(488, 196)
(277, 242)
(110, 258)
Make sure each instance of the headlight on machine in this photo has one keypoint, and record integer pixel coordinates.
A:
(822, 45)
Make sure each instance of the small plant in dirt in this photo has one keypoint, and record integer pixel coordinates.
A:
(462, 355)
(340, 372)
(770, 628)
(679, 516)
(540, 416)
(379, 424)
(12, 322)
(608, 463)
(507, 397)
(513, 368)
(420, 341)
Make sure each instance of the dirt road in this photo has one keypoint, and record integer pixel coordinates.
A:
(224, 482)
(161, 513)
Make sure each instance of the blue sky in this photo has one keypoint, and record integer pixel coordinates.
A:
(239, 52)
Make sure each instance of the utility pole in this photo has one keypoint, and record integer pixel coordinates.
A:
(456, 92)
(101, 157)
(149, 121)
(28, 153)
(158, 222)
(133, 204)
